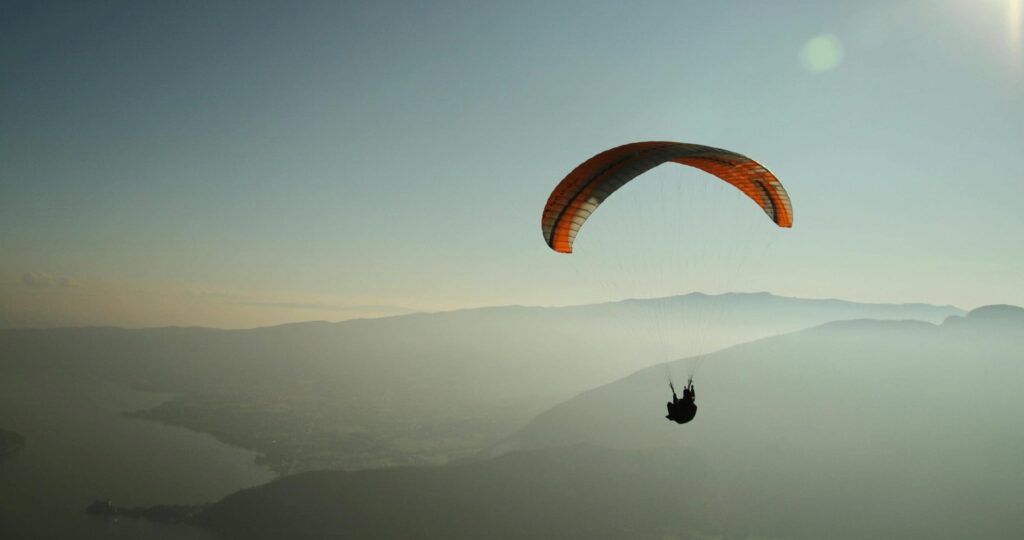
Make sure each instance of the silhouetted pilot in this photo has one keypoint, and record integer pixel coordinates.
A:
(682, 410)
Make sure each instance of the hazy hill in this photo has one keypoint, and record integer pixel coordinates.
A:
(10, 443)
(413, 388)
(921, 421)
(875, 375)
(569, 493)
(858, 429)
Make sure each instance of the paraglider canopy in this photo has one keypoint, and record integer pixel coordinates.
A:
(589, 184)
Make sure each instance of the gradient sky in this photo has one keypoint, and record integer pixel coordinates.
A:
(246, 163)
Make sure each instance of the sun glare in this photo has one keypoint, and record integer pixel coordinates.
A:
(1015, 19)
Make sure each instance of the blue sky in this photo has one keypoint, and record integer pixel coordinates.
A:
(244, 163)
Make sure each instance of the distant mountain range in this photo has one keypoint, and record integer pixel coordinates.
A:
(489, 348)
(849, 430)
(417, 388)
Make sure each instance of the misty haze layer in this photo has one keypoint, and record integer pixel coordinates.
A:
(411, 389)
(857, 429)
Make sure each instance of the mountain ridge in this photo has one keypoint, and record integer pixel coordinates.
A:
(623, 301)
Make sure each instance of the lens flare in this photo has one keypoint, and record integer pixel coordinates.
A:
(822, 53)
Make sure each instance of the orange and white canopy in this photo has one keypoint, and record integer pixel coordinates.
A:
(589, 184)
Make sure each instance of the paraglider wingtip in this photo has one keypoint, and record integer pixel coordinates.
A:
(560, 249)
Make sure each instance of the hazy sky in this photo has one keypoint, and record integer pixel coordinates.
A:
(247, 163)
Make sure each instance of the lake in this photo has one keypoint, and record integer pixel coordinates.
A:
(79, 448)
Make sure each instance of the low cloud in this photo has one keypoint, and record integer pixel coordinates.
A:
(40, 299)
(250, 301)
(40, 280)
(327, 307)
